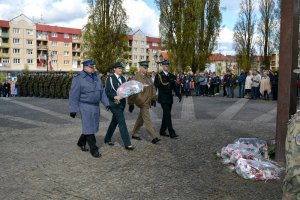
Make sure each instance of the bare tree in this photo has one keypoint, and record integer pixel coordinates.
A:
(266, 29)
(244, 34)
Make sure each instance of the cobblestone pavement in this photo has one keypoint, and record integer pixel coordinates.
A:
(40, 159)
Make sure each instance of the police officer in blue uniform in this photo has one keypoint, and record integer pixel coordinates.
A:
(85, 95)
(165, 82)
(117, 106)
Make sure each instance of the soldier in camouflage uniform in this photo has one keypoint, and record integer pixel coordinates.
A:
(64, 86)
(25, 85)
(48, 79)
(41, 85)
(58, 85)
(30, 85)
(36, 79)
(70, 78)
(52, 86)
(291, 183)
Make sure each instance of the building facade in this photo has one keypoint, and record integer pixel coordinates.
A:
(38, 47)
(143, 47)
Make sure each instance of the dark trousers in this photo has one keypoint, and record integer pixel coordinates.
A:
(82, 140)
(118, 118)
(166, 120)
(274, 92)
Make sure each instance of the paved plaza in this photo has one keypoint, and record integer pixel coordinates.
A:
(40, 158)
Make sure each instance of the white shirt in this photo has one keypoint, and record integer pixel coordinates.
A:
(118, 77)
(166, 73)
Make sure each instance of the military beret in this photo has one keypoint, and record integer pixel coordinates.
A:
(117, 65)
(144, 63)
(165, 62)
(88, 63)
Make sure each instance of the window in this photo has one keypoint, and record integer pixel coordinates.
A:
(54, 34)
(135, 42)
(142, 42)
(142, 50)
(74, 36)
(29, 51)
(66, 35)
(54, 62)
(135, 64)
(54, 44)
(29, 32)
(66, 62)
(16, 41)
(135, 49)
(135, 57)
(66, 53)
(16, 31)
(29, 61)
(53, 53)
(154, 44)
(16, 51)
(142, 57)
(154, 51)
(5, 60)
(17, 60)
(29, 42)
(66, 44)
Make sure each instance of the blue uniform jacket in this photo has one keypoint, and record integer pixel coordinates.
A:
(85, 96)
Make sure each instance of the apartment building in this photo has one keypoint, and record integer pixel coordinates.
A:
(40, 48)
(143, 47)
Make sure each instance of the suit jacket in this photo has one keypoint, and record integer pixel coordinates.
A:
(111, 85)
(165, 85)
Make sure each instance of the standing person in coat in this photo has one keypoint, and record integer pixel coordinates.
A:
(165, 82)
(265, 86)
(117, 106)
(248, 85)
(242, 81)
(144, 101)
(85, 95)
(6, 89)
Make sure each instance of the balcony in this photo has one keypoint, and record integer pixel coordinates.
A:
(76, 49)
(42, 47)
(4, 55)
(5, 35)
(42, 37)
(75, 40)
(4, 45)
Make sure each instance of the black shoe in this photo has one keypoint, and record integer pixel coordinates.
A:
(96, 154)
(129, 147)
(83, 148)
(155, 140)
(164, 134)
(173, 136)
(109, 143)
(136, 138)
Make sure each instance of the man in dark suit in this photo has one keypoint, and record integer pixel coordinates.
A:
(117, 106)
(165, 82)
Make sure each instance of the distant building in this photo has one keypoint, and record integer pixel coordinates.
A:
(143, 47)
(40, 47)
(221, 63)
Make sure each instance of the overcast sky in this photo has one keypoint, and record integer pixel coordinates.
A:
(143, 14)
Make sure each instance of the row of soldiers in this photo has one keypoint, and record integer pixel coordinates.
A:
(44, 85)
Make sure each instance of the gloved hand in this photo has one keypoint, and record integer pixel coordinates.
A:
(131, 108)
(180, 98)
(107, 108)
(73, 114)
(153, 103)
